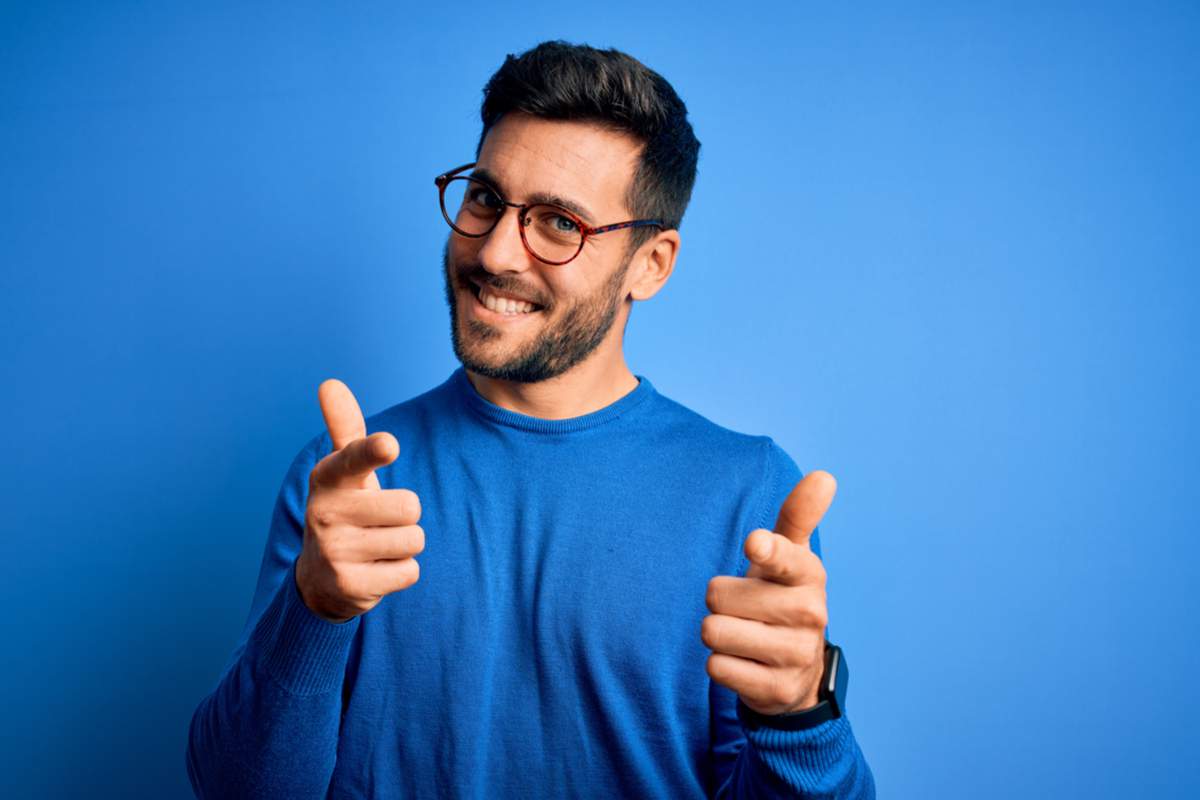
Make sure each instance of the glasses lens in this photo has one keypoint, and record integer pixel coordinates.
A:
(551, 232)
(470, 206)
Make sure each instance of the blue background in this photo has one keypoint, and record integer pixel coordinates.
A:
(947, 254)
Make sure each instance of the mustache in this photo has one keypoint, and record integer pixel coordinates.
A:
(474, 273)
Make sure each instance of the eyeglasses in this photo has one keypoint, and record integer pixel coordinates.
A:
(551, 233)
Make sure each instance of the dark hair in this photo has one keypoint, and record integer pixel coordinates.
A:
(559, 80)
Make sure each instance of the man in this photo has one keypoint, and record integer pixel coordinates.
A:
(615, 596)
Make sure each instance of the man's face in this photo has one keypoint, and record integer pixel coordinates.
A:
(578, 302)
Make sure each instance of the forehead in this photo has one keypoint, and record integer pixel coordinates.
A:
(578, 160)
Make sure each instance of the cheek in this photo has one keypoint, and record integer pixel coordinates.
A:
(461, 250)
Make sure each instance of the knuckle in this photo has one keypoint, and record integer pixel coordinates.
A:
(792, 615)
(354, 450)
(779, 563)
(820, 617)
(782, 568)
(809, 615)
(709, 631)
(330, 543)
(321, 515)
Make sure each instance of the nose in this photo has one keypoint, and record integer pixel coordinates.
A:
(502, 249)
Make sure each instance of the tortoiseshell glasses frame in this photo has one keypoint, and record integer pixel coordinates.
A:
(586, 231)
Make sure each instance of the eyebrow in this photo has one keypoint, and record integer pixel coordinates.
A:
(538, 197)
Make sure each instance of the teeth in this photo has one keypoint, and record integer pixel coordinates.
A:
(503, 305)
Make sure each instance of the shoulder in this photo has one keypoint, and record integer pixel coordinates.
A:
(753, 467)
(758, 455)
(415, 411)
(417, 418)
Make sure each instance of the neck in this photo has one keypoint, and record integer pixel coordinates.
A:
(589, 386)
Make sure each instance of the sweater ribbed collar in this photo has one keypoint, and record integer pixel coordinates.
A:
(461, 386)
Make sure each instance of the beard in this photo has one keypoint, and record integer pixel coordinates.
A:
(557, 347)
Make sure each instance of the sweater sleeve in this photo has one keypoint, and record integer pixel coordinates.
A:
(270, 727)
(823, 762)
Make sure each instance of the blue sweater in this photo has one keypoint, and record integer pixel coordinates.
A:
(552, 644)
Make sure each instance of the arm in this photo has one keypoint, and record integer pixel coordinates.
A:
(824, 762)
(270, 727)
(821, 762)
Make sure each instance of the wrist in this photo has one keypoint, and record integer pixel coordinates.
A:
(807, 718)
(831, 700)
(310, 603)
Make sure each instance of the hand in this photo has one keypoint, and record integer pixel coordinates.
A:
(359, 539)
(767, 629)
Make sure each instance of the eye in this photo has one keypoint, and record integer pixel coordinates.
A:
(563, 224)
(483, 196)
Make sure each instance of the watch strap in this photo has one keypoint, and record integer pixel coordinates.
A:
(821, 713)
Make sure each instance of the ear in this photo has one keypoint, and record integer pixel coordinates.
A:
(652, 264)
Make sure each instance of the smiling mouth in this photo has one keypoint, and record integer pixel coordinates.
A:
(502, 306)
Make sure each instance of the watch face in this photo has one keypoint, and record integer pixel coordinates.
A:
(836, 678)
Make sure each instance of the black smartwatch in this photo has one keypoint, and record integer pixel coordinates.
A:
(831, 700)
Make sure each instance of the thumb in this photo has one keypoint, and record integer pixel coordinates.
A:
(350, 465)
(343, 417)
(805, 505)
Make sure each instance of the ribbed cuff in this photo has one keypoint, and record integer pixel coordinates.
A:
(815, 760)
(302, 652)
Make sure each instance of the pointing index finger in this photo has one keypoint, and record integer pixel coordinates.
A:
(353, 466)
(778, 559)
